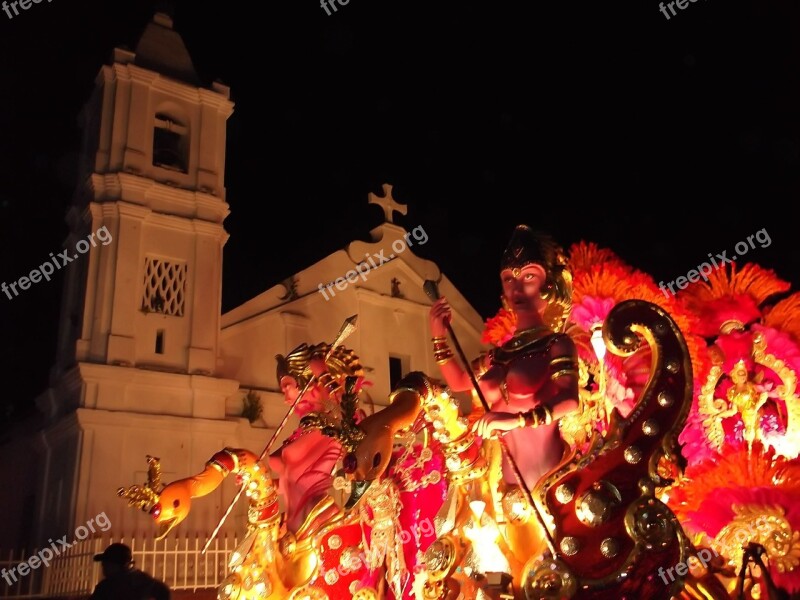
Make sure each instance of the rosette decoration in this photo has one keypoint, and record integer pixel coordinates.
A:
(742, 438)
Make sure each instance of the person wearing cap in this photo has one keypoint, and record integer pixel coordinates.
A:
(122, 581)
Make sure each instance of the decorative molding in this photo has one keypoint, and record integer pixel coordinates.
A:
(290, 285)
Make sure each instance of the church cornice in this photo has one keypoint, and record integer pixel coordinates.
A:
(128, 421)
(155, 81)
(169, 221)
(97, 372)
(158, 197)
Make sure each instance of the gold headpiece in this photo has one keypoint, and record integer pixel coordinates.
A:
(342, 363)
(295, 364)
(532, 247)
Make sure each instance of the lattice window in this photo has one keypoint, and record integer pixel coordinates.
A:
(164, 287)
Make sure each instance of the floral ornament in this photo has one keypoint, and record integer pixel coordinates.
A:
(499, 328)
(744, 498)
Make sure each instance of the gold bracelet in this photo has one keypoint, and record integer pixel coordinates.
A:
(544, 415)
(540, 415)
(442, 339)
(443, 357)
(234, 457)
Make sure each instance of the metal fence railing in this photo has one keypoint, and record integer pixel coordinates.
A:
(177, 561)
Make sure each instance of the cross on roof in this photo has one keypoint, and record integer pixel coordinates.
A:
(387, 203)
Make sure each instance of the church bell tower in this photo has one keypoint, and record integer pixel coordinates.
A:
(154, 161)
(136, 369)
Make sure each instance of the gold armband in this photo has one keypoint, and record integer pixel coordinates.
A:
(540, 415)
(563, 365)
(416, 382)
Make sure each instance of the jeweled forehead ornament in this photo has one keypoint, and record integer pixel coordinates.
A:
(528, 247)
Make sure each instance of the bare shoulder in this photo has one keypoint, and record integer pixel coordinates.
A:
(562, 344)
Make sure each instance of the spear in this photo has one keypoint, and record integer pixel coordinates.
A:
(432, 290)
(347, 328)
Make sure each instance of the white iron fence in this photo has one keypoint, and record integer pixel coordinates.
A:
(177, 561)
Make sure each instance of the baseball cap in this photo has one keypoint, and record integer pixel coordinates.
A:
(115, 553)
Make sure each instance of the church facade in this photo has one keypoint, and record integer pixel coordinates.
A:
(147, 363)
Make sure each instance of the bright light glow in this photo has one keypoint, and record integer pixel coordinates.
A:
(488, 556)
(784, 446)
(597, 343)
(477, 506)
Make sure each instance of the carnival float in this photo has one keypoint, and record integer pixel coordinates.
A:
(622, 443)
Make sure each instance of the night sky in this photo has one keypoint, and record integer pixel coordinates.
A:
(664, 140)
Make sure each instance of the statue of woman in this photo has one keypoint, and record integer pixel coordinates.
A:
(531, 380)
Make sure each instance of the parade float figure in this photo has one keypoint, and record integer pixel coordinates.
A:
(307, 459)
(583, 524)
(308, 548)
(606, 533)
(531, 380)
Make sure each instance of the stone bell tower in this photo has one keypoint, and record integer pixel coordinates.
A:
(154, 160)
(136, 367)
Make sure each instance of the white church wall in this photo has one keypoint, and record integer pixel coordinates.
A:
(113, 455)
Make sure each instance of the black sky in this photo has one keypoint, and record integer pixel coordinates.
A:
(663, 140)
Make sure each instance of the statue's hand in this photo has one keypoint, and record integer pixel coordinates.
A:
(440, 316)
(491, 423)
